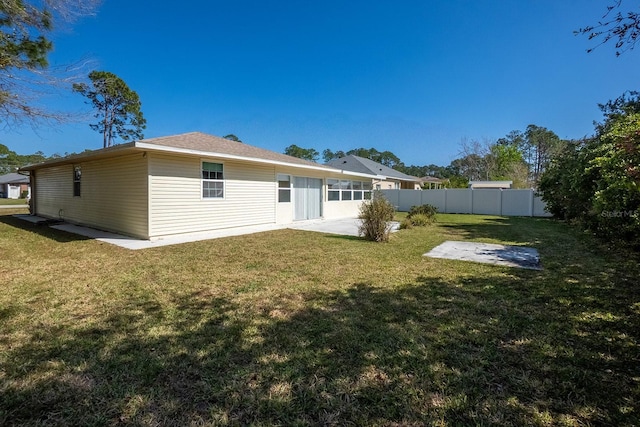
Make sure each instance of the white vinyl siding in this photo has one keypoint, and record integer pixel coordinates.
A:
(177, 205)
(113, 194)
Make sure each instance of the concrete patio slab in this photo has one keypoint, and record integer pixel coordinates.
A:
(511, 256)
(136, 244)
(343, 226)
(33, 219)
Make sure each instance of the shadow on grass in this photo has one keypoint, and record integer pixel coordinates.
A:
(495, 228)
(41, 229)
(503, 350)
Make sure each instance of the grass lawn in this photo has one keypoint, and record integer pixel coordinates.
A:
(300, 328)
(5, 202)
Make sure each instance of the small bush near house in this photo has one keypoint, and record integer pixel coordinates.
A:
(406, 224)
(427, 213)
(420, 220)
(375, 215)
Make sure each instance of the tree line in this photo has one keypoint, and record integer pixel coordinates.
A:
(520, 156)
(10, 161)
(595, 182)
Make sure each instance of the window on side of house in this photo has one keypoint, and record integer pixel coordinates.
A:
(333, 187)
(366, 187)
(212, 180)
(346, 190)
(77, 175)
(357, 190)
(284, 188)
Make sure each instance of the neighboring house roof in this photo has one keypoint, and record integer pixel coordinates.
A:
(433, 179)
(14, 178)
(195, 143)
(366, 166)
(490, 184)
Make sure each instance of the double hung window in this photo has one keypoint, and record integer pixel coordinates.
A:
(284, 188)
(212, 180)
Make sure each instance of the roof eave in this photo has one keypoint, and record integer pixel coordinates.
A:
(168, 149)
(75, 158)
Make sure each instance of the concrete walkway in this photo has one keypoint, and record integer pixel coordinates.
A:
(343, 226)
(21, 206)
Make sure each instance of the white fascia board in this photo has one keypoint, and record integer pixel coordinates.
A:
(393, 178)
(365, 175)
(154, 147)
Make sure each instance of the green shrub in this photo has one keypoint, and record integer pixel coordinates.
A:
(420, 220)
(376, 215)
(426, 214)
(406, 224)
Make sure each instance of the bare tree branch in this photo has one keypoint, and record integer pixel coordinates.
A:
(26, 80)
(624, 28)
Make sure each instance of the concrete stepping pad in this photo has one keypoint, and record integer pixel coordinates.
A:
(511, 256)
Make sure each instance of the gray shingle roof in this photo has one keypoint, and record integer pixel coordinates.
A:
(361, 165)
(199, 141)
(14, 178)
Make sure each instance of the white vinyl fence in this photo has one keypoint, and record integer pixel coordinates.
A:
(464, 200)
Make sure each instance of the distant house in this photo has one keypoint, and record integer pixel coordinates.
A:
(431, 182)
(477, 185)
(13, 185)
(386, 178)
(191, 183)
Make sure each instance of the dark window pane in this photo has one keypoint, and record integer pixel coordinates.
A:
(284, 196)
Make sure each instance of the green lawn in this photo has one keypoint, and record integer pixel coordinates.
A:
(300, 328)
(4, 202)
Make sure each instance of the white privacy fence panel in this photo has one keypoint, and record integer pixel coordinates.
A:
(457, 202)
(468, 201)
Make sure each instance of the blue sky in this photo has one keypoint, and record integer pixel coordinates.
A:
(412, 77)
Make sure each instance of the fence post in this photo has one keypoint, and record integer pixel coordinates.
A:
(446, 209)
(531, 202)
(471, 200)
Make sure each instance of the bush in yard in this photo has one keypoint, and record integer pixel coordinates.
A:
(406, 224)
(427, 214)
(375, 215)
(421, 220)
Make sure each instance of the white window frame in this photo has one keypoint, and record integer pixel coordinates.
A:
(362, 188)
(203, 180)
(278, 188)
(367, 189)
(77, 181)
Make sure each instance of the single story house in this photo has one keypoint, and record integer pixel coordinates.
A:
(478, 185)
(13, 185)
(432, 182)
(189, 183)
(386, 178)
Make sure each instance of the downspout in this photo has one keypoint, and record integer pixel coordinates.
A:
(32, 199)
(32, 184)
